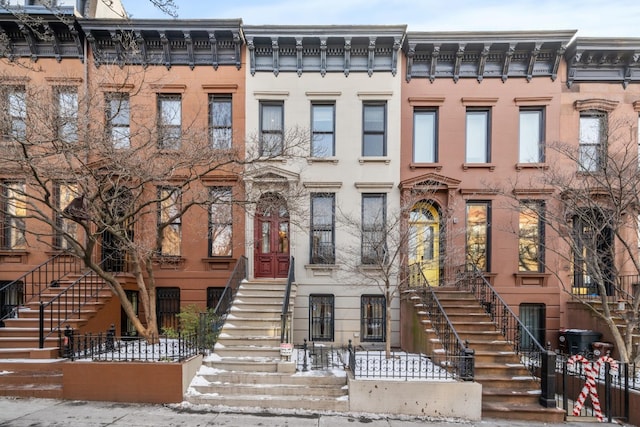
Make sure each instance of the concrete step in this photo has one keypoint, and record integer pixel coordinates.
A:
(273, 390)
(314, 403)
(245, 364)
(31, 380)
(275, 378)
(236, 321)
(243, 311)
(251, 340)
(236, 331)
(464, 326)
(35, 323)
(29, 353)
(27, 342)
(247, 351)
(507, 394)
(523, 412)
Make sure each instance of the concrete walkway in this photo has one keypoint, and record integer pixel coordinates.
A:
(17, 412)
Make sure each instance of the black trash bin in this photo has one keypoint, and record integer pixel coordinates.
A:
(577, 341)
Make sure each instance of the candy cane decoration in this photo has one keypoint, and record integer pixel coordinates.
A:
(589, 389)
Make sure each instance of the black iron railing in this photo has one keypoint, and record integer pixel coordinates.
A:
(457, 356)
(539, 361)
(400, 366)
(110, 348)
(30, 285)
(285, 316)
(69, 303)
(226, 299)
(318, 357)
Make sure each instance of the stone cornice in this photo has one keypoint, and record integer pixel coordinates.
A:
(41, 35)
(608, 60)
(488, 54)
(324, 48)
(146, 42)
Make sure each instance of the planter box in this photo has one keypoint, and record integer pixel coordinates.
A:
(140, 382)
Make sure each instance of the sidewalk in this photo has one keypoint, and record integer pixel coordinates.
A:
(18, 412)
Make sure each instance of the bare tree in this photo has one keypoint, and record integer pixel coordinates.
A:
(590, 213)
(90, 174)
(393, 249)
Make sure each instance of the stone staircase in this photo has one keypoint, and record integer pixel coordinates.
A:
(31, 379)
(246, 368)
(19, 338)
(508, 388)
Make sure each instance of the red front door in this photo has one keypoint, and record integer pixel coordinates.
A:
(272, 238)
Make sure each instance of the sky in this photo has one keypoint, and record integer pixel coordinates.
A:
(592, 18)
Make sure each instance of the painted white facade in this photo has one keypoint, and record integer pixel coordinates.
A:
(347, 174)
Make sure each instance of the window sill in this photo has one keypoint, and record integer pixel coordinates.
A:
(219, 263)
(321, 269)
(520, 166)
(333, 160)
(9, 256)
(373, 159)
(531, 278)
(489, 166)
(434, 166)
(169, 261)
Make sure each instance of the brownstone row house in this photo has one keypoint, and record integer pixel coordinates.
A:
(455, 134)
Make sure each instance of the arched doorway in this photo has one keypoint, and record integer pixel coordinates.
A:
(271, 228)
(424, 243)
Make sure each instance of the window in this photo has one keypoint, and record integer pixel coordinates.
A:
(15, 115)
(118, 119)
(167, 309)
(220, 128)
(66, 99)
(478, 232)
(531, 237)
(64, 194)
(213, 297)
(220, 222)
(592, 141)
(373, 233)
(169, 220)
(169, 121)
(374, 127)
(373, 316)
(531, 135)
(321, 309)
(478, 135)
(533, 317)
(127, 328)
(425, 136)
(322, 228)
(323, 130)
(271, 128)
(13, 211)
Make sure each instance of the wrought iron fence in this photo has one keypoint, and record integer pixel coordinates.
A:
(595, 388)
(109, 348)
(320, 357)
(373, 364)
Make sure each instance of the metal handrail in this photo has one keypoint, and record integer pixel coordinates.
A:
(505, 319)
(48, 274)
(226, 299)
(457, 353)
(70, 301)
(285, 317)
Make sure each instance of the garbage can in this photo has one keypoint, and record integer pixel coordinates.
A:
(575, 341)
(602, 348)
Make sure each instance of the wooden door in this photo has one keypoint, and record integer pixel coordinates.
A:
(271, 251)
